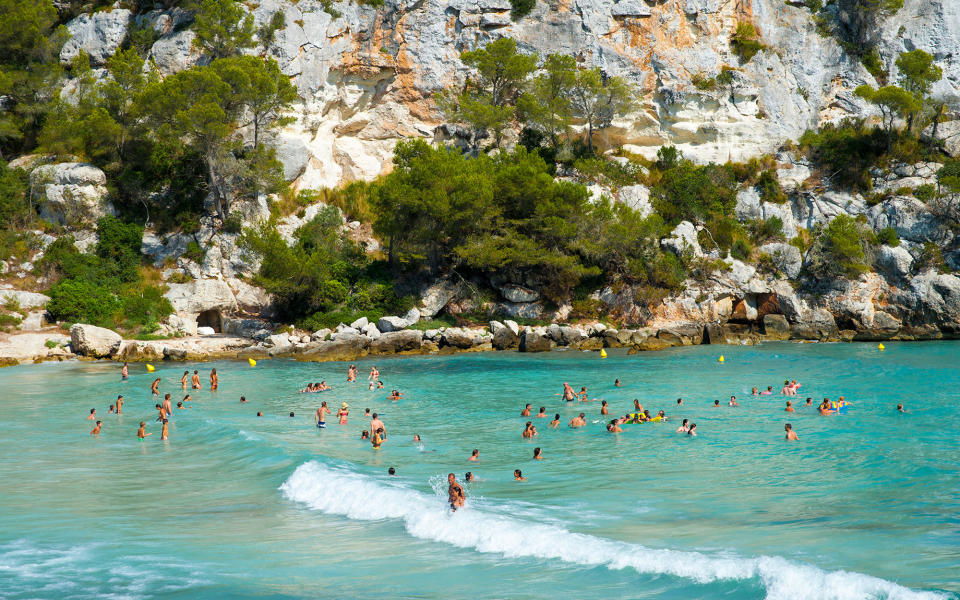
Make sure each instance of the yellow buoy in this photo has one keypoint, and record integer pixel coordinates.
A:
(150, 368)
(252, 362)
(603, 353)
(881, 347)
(720, 359)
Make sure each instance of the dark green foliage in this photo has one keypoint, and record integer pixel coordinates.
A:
(766, 230)
(507, 215)
(14, 209)
(233, 223)
(871, 62)
(223, 28)
(521, 8)
(194, 252)
(690, 192)
(769, 187)
(744, 42)
(948, 177)
(741, 250)
(846, 152)
(930, 257)
(104, 288)
(321, 274)
(925, 192)
(839, 251)
(888, 237)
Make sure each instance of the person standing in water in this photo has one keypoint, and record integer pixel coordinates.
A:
(555, 422)
(536, 454)
(377, 425)
(125, 371)
(789, 407)
(377, 440)
(455, 495)
(183, 380)
(214, 380)
(693, 430)
(791, 434)
(603, 408)
(119, 404)
(526, 411)
(568, 394)
(683, 426)
(475, 455)
(167, 405)
(164, 432)
(342, 413)
(319, 419)
(142, 432)
(374, 373)
(155, 387)
(92, 415)
(518, 476)
(195, 380)
(96, 430)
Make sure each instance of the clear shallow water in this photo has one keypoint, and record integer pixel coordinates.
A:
(867, 505)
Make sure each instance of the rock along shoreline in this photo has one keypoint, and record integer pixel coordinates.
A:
(87, 342)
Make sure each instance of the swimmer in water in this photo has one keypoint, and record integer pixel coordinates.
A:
(543, 413)
(475, 455)
(809, 402)
(556, 421)
(683, 426)
(679, 401)
(637, 407)
(259, 414)
(526, 411)
(716, 403)
(119, 404)
(110, 411)
(578, 421)
(733, 401)
(616, 383)
(791, 434)
(214, 380)
(392, 472)
(167, 404)
(342, 413)
(161, 412)
(899, 409)
(195, 380)
(518, 476)
(692, 431)
(320, 417)
(155, 387)
(603, 408)
(187, 398)
(568, 394)
(377, 440)
(824, 408)
(582, 394)
(183, 380)
(394, 396)
(536, 454)
(180, 406)
(379, 385)
(374, 374)
(614, 426)
(789, 407)
(92, 415)
(243, 399)
(142, 432)
(352, 374)
(527, 430)
(416, 437)
(125, 371)
(370, 387)
(455, 495)
(164, 432)
(468, 477)
(754, 392)
(364, 435)
(96, 430)
(377, 425)
(768, 391)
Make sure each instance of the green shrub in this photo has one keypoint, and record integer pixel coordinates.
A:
(769, 187)
(194, 252)
(874, 64)
(764, 230)
(79, 300)
(888, 237)
(744, 42)
(925, 192)
(693, 192)
(51, 344)
(930, 257)
(948, 177)
(703, 83)
(846, 152)
(233, 223)
(9, 321)
(839, 250)
(521, 8)
(741, 250)
(119, 248)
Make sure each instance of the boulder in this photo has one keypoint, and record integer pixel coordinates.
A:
(250, 298)
(412, 317)
(518, 294)
(360, 323)
(776, 327)
(174, 52)
(713, 334)
(459, 338)
(34, 321)
(504, 337)
(71, 193)
(392, 342)
(22, 299)
(572, 335)
(370, 330)
(278, 340)
(98, 34)
(512, 326)
(819, 325)
(636, 197)
(682, 239)
(391, 323)
(206, 331)
(786, 258)
(532, 341)
(895, 262)
(95, 342)
(319, 335)
(141, 351)
(245, 328)
(436, 296)
(346, 349)
(198, 296)
(522, 310)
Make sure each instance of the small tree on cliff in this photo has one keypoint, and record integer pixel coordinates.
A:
(893, 102)
(598, 100)
(223, 28)
(917, 74)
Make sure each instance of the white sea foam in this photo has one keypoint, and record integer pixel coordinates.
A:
(342, 492)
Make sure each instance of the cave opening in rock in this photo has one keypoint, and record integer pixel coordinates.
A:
(211, 318)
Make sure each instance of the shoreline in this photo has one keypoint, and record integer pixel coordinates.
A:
(89, 343)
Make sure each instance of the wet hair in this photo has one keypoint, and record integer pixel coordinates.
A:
(392, 471)
(291, 414)
(603, 403)
(692, 425)
(581, 415)
(93, 410)
(536, 451)
(374, 415)
(475, 452)
(716, 403)
(556, 416)
(155, 406)
(528, 404)
(143, 423)
(517, 473)
(543, 409)
(195, 372)
(788, 403)
(99, 422)
(111, 407)
(685, 421)
(166, 396)
(120, 396)
(364, 434)
(468, 476)
(179, 404)
(259, 414)
(243, 398)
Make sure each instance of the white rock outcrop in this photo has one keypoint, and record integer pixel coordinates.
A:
(71, 193)
(99, 35)
(96, 342)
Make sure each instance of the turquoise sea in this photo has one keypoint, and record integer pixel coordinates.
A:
(865, 505)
